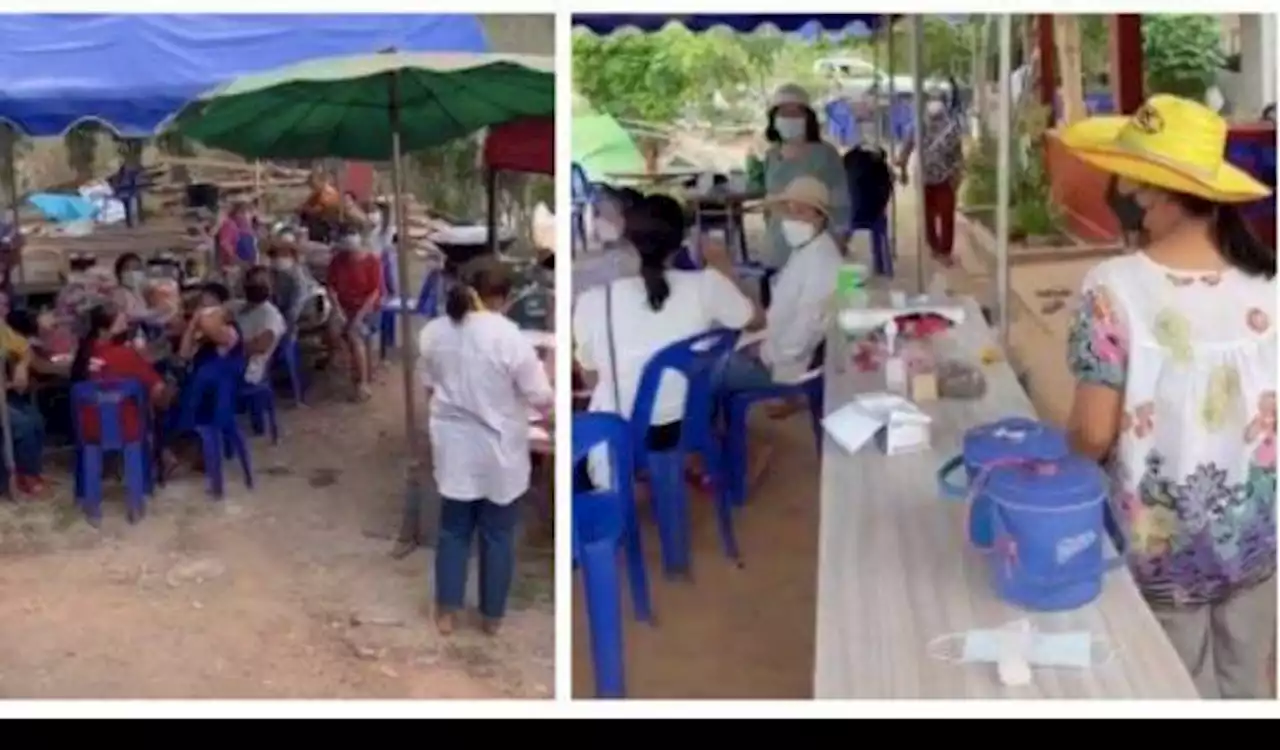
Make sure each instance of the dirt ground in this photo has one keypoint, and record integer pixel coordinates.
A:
(749, 633)
(286, 591)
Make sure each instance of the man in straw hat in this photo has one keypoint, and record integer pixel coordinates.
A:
(796, 321)
(1174, 354)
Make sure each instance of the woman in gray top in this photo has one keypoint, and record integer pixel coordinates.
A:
(796, 149)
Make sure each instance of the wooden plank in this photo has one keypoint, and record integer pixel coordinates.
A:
(895, 571)
(1066, 30)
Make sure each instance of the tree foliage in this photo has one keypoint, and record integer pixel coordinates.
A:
(654, 78)
(1182, 53)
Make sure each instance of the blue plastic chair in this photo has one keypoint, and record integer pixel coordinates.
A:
(735, 409)
(842, 125)
(603, 521)
(106, 398)
(696, 359)
(259, 400)
(219, 380)
(580, 193)
(288, 357)
(881, 253)
(427, 304)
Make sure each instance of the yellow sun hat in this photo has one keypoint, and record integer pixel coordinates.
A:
(1170, 143)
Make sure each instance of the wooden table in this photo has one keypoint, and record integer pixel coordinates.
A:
(895, 571)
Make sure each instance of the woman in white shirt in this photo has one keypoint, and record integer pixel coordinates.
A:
(618, 327)
(797, 319)
(483, 377)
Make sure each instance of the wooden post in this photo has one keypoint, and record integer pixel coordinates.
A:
(1067, 39)
(1126, 62)
(1046, 51)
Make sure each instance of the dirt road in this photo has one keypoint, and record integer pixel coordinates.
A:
(282, 592)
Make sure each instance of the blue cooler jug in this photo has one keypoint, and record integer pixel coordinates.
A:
(987, 446)
(1051, 520)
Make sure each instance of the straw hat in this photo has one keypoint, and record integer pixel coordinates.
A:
(1169, 143)
(808, 191)
(790, 93)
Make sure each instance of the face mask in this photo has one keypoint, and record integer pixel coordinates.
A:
(1016, 648)
(798, 233)
(256, 293)
(133, 279)
(1131, 215)
(607, 231)
(789, 128)
(935, 108)
(284, 264)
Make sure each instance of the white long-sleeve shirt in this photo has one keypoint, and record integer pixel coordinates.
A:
(796, 322)
(484, 375)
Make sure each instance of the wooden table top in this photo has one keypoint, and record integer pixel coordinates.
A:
(895, 570)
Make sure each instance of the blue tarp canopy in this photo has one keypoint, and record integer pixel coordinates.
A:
(132, 72)
(805, 23)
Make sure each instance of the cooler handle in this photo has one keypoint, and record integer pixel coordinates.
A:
(948, 489)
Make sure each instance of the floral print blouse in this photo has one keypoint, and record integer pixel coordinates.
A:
(1194, 468)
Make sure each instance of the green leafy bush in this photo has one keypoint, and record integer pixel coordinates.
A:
(1181, 53)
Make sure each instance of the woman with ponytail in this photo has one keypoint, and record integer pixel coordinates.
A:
(483, 377)
(107, 353)
(618, 327)
(1174, 354)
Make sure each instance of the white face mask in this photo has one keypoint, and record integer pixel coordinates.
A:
(607, 231)
(789, 128)
(1016, 643)
(935, 108)
(134, 279)
(284, 264)
(798, 233)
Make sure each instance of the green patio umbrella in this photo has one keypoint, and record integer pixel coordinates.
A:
(351, 107)
(603, 147)
(372, 108)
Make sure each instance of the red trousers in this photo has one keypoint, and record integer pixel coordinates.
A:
(940, 217)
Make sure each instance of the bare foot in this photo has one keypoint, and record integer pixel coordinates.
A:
(446, 622)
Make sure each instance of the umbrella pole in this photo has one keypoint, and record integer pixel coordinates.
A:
(6, 426)
(410, 533)
(887, 21)
(491, 211)
(877, 103)
(917, 101)
(1004, 145)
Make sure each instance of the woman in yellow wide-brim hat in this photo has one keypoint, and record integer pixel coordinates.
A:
(1174, 354)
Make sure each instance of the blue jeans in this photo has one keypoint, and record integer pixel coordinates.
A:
(740, 371)
(28, 438)
(496, 526)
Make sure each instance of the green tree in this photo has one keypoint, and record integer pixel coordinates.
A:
(1182, 53)
(632, 76)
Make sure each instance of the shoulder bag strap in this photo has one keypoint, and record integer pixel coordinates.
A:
(613, 351)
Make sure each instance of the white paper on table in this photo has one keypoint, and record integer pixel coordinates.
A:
(851, 427)
(855, 424)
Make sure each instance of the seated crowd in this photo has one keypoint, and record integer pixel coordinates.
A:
(134, 321)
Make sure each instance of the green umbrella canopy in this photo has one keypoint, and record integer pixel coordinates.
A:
(341, 107)
(602, 147)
